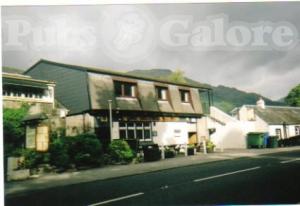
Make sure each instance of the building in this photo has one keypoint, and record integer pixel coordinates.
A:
(44, 112)
(281, 121)
(143, 109)
(231, 131)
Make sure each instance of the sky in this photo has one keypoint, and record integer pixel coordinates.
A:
(128, 37)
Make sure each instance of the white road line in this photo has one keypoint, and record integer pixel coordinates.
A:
(287, 161)
(225, 174)
(117, 199)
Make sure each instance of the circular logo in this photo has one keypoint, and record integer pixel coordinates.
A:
(127, 33)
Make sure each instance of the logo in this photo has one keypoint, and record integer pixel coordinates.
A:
(127, 33)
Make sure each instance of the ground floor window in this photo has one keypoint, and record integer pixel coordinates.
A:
(278, 133)
(135, 130)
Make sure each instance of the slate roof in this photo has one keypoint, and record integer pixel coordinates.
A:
(275, 115)
(116, 73)
(83, 89)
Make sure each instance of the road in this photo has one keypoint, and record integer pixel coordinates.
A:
(266, 179)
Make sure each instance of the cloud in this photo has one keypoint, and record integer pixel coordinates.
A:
(271, 73)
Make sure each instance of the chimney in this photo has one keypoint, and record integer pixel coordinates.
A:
(261, 103)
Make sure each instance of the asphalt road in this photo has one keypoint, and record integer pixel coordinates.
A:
(267, 179)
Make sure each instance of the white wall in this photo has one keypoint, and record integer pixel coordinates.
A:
(231, 135)
(230, 132)
(77, 124)
(290, 130)
(171, 133)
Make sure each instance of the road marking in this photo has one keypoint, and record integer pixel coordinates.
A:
(117, 199)
(287, 161)
(225, 174)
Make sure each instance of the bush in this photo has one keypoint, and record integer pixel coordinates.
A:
(85, 150)
(291, 141)
(120, 151)
(13, 128)
(191, 150)
(59, 156)
(169, 153)
(210, 146)
(32, 158)
(151, 153)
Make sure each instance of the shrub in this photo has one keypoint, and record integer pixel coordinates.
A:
(120, 151)
(85, 150)
(210, 146)
(169, 153)
(59, 156)
(191, 150)
(13, 129)
(32, 158)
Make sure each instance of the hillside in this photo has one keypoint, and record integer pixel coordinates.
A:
(12, 70)
(225, 98)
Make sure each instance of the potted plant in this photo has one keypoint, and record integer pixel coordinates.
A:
(191, 149)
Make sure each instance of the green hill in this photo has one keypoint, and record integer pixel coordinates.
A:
(12, 70)
(225, 98)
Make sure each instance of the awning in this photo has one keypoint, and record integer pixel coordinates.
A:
(25, 83)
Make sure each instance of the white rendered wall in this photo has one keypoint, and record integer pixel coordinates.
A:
(171, 133)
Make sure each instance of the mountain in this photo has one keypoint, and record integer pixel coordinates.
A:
(225, 98)
(12, 70)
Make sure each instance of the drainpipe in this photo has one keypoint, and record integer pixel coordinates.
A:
(110, 118)
(284, 130)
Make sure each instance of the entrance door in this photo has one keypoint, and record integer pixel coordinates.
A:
(193, 138)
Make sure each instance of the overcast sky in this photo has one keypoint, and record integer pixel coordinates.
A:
(123, 37)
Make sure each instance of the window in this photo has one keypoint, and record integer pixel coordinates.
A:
(162, 93)
(124, 89)
(135, 130)
(185, 95)
(297, 130)
(24, 92)
(278, 133)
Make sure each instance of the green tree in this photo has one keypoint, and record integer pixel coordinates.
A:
(293, 97)
(177, 76)
(13, 129)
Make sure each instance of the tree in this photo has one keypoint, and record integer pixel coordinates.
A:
(293, 97)
(177, 76)
(13, 129)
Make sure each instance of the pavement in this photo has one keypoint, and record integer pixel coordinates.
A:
(52, 180)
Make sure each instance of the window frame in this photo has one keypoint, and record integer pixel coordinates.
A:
(134, 93)
(185, 91)
(278, 133)
(136, 127)
(158, 90)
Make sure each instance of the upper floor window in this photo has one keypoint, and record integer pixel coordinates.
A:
(125, 89)
(185, 95)
(162, 93)
(24, 92)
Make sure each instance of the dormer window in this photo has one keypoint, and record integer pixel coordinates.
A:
(125, 89)
(185, 96)
(162, 93)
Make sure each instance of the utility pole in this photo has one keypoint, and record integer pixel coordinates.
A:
(110, 118)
